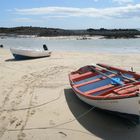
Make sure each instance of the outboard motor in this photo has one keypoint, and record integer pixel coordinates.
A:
(45, 47)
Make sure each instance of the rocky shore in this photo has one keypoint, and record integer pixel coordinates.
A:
(55, 32)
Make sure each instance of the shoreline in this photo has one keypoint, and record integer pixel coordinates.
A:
(126, 54)
(78, 37)
(54, 38)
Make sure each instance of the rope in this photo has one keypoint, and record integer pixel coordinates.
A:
(37, 106)
(54, 127)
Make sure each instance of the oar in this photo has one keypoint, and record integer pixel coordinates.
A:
(93, 68)
(118, 73)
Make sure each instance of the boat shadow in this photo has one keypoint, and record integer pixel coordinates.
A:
(16, 60)
(101, 123)
(28, 59)
(10, 60)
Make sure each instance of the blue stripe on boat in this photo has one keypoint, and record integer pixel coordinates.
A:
(98, 84)
(91, 78)
(21, 57)
(95, 85)
(99, 92)
(128, 75)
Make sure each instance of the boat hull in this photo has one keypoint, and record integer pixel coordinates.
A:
(125, 106)
(110, 89)
(29, 54)
(22, 57)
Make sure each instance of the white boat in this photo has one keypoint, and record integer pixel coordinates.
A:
(28, 53)
(109, 88)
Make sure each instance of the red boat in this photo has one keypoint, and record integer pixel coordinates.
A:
(109, 88)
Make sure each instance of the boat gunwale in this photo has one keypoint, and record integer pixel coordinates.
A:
(98, 97)
(137, 75)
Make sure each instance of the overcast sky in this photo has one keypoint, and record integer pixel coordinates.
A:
(70, 14)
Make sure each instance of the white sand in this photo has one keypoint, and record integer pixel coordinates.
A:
(36, 100)
(73, 37)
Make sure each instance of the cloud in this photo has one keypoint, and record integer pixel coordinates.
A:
(128, 11)
(26, 20)
(123, 1)
(22, 19)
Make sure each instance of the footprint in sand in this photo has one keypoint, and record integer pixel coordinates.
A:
(3, 118)
(18, 123)
(51, 122)
(21, 136)
(32, 112)
(13, 103)
(13, 120)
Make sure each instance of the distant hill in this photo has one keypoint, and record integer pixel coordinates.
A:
(51, 32)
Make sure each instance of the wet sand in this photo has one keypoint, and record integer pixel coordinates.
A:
(36, 100)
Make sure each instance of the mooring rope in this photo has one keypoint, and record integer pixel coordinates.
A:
(57, 125)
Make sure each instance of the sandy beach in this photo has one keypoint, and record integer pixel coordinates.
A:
(37, 102)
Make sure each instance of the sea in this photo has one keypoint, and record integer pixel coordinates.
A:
(70, 45)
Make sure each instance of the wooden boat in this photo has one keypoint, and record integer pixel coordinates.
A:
(28, 53)
(108, 88)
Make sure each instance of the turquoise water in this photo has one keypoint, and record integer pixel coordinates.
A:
(98, 45)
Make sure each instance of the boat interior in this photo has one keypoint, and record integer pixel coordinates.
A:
(103, 81)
